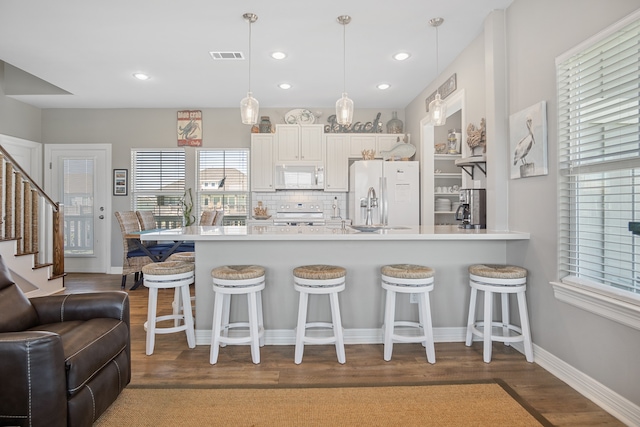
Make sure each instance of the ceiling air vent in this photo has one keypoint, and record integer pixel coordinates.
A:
(226, 55)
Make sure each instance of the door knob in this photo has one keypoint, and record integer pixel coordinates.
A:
(101, 217)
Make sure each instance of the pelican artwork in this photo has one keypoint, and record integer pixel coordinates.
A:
(524, 146)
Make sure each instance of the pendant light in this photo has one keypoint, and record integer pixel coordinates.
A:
(437, 107)
(344, 105)
(249, 106)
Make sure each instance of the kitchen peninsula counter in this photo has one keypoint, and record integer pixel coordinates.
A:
(447, 249)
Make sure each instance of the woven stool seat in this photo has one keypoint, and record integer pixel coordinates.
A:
(237, 272)
(168, 268)
(407, 271)
(319, 279)
(503, 280)
(319, 272)
(234, 280)
(183, 256)
(498, 271)
(408, 279)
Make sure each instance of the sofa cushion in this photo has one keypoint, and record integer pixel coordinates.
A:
(16, 312)
(88, 346)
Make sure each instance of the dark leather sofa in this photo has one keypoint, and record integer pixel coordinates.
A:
(63, 358)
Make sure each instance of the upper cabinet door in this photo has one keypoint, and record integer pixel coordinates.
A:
(311, 148)
(288, 142)
(299, 143)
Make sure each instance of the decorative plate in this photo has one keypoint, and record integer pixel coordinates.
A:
(299, 116)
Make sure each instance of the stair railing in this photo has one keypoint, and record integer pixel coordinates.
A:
(30, 216)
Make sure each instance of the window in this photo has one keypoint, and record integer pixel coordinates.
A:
(599, 174)
(223, 183)
(158, 178)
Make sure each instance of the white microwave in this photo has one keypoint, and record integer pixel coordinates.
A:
(299, 177)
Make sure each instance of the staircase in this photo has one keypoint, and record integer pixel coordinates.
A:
(31, 239)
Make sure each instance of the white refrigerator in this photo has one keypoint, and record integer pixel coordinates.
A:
(396, 189)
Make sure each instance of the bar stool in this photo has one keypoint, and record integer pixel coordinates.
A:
(408, 279)
(319, 280)
(168, 275)
(503, 280)
(177, 299)
(231, 280)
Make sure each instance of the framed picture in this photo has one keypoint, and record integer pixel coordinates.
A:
(528, 141)
(120, 182)
(190, 128)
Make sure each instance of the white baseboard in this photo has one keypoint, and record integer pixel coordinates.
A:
(610, 401)
(615, 404)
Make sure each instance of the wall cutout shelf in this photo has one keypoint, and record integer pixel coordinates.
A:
(468, 164)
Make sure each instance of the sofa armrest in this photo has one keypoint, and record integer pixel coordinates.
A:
(61, 308)
(33, 379)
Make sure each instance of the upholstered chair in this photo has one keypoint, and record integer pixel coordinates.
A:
(65, 358)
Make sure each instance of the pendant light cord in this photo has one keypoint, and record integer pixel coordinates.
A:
(250, 55)
(344, 58)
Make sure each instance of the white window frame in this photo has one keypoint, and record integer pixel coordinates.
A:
(621, 306)
(229, 187)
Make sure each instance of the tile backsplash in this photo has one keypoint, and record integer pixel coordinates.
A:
(272, 200)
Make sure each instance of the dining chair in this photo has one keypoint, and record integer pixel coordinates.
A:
(134, 258)
(207, 217)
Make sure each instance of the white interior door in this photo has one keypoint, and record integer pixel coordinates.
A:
(79, 178)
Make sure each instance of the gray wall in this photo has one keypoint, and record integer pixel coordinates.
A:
(16, 118)
(536, 33)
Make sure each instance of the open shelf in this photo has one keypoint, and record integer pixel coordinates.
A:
(468, 164)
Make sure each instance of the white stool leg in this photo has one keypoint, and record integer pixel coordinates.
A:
(389, 320)
(254, 331)
(215, 330)
(427, 326)
(151, 320)
(472, 316)
(226, 313)
(260, 317)
(188, 316)
(524, 322)
(505, 316)
(177, 306)
(337, 326)
(488, 308)
(302, 324)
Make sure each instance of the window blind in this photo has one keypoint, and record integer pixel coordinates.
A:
(599, 159)
(158, 184)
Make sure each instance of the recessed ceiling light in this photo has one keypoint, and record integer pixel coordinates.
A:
(141, 76)
(278, 55)
(284, 86)
(383, 86)
(401, 56)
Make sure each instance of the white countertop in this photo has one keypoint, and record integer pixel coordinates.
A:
(280, 233)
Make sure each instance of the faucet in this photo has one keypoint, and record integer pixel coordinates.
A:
(372, 202)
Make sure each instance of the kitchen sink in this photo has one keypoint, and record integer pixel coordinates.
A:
(374, 228)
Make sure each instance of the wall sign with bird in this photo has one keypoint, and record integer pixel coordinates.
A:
(528, 140)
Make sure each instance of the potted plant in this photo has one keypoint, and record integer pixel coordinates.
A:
(187, 207)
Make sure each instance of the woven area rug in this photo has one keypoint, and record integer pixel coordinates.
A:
(467, 404)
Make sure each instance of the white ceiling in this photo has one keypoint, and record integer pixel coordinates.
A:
(91, 49)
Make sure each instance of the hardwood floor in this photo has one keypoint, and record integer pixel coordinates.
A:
(173, 363)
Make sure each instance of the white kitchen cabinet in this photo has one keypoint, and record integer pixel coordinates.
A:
(376, 141)
(262, 145)
(299, 143)
(337, 163)
(360, 142)
(385, 142)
